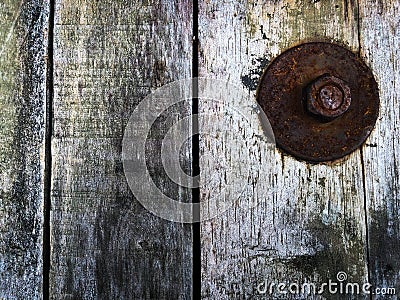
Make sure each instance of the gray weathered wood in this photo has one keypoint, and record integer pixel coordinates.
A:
(312, 220)
(108, 55)
(310, 223)
(23, 44)
(380, 47)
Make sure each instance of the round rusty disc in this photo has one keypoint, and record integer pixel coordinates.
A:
(281, 94)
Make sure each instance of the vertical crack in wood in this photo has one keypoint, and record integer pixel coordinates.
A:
(365, 212)
(358, 28)
(364, 182)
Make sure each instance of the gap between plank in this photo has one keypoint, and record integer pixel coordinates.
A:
(48, 155)
(196, 271)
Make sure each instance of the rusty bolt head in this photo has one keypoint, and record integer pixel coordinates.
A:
(328, 97)
(282, 96)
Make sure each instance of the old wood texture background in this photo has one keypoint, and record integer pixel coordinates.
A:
(72, 72)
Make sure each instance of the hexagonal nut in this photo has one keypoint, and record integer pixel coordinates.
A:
(328, 97)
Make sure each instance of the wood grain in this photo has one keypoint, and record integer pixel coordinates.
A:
(310, 221)
(23, 44)
(108, 55)
(380, 41)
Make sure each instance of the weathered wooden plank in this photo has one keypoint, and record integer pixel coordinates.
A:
(310, 223)
(108, 55)
(380, 41)
(23, 47)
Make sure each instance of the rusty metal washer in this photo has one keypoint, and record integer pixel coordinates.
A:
(282, 94)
